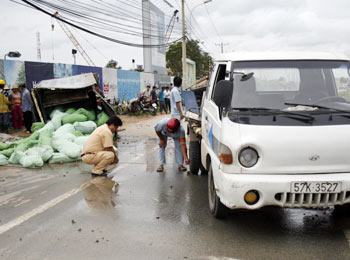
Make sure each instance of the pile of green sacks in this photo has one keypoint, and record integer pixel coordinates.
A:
(59, 141)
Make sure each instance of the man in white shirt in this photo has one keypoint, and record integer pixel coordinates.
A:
(147, 93)
(167, 98)
(175, 100)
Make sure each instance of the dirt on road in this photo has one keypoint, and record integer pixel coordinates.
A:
(142, 126)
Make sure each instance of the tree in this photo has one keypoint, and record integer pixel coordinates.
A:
(174, 58)
(112, 64)
(21, 77)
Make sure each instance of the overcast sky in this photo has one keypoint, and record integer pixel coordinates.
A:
(241, 25)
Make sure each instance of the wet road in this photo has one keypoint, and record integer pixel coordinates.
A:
(59, 212)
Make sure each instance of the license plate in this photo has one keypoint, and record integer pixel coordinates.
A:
(315, 187)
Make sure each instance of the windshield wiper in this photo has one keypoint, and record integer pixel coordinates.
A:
(317, 106)
(293, 115)
(251, 108)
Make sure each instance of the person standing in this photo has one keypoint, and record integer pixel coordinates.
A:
(167, 99)
(161, 97)
(154, 97)
(98, 149)
(17, 114)
(4, 108)
(27, 108)
(175, 100)
(172, 128)
(8, 116)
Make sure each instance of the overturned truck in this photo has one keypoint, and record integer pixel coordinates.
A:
(80, 91)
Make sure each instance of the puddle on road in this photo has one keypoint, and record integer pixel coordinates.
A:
(100, 192)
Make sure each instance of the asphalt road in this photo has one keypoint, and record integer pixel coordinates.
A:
(59, 212)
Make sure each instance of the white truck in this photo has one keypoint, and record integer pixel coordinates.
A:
(274, 130)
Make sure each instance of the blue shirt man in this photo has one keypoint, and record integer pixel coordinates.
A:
(172, 128)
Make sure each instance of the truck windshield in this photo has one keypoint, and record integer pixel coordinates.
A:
(291, 85)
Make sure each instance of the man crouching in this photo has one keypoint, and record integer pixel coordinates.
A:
(98, 149)
(173, 129)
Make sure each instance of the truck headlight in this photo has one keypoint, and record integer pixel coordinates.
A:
(248, 157)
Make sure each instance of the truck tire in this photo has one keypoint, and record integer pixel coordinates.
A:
(217, 209)
(195, 157)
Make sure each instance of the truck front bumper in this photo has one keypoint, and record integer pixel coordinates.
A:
(275, 190)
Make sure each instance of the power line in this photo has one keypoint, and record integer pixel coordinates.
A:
(98, 34)
(88, 8)
(105, 24)
(211, 20)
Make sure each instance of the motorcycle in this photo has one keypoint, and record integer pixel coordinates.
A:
(135, 105)
(121, 107)
(147, 105)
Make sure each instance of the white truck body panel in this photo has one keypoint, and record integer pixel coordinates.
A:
(287, 154)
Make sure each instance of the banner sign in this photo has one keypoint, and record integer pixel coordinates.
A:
(110, 84)
(61, 70)
(128, 84)
(36, 72)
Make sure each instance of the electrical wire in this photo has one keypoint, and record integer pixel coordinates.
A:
(98, 34)
(214, 26)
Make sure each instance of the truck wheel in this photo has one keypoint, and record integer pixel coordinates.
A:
(217, 209)
(195, 157)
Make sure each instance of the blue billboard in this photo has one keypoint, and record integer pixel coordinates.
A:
(128, 83)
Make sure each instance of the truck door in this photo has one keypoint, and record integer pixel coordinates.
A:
(211, 121)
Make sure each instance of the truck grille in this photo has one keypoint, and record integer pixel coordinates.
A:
(312, 200)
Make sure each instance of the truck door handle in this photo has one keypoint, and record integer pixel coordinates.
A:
(206, 118)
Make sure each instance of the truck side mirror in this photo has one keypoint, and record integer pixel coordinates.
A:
(223, 94)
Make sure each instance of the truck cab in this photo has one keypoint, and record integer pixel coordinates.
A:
(275, 131)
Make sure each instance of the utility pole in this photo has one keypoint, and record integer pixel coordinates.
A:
(184, 55)
(221, 45)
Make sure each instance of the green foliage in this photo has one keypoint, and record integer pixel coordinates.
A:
(21, 78)
(174, 56)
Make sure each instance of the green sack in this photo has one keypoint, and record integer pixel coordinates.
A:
(45, 152)
(45, 137)
(57, 119)
(61, 158)
(26, 145)
(85, 127)
(72, 118)
(33, 137)
(65, 129)
(56, 112)
(7, 152)
(4, 146)
(3, 160)
(15, 157)
(81, 140)
(77, 133)
(71, 110)
(36, 126)
(102, 118)
(31, 161)
(90, 114)
(49, 126)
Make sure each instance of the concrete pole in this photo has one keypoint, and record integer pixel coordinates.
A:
(184, 55)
